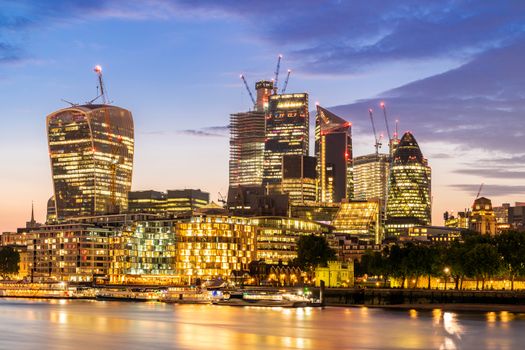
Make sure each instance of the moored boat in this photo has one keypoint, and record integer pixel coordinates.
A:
(128, 294)
(264, 299)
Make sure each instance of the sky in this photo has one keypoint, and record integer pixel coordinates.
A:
(450, 71)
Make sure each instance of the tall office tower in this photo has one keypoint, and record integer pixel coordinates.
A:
(299, 179)
(91, 149)
(287, 128)
(409, 195)
(333, 149)
(247, 134)
(371, 177)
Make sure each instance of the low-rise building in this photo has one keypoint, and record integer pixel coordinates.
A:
(277, 237)
(171, 202)
(360, 218)
(432, 234)
(336, 274)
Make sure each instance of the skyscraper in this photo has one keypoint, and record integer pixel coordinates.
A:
(247, 134)
(91, 150)
(333, 149)
(409, 195)
(299, 179)
(287, 128)
(371, 177)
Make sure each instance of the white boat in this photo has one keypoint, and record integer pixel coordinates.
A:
(186, 295)
(128, 294)
(264, 299)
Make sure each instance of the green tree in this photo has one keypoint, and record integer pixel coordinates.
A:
(9, 260)
(482, 261)
(511, 246)
(313, 251)
(398, 263)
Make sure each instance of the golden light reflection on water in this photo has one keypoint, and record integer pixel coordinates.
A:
(112, 325)
(491, 318)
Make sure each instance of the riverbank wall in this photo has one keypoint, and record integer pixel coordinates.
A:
(385, 297)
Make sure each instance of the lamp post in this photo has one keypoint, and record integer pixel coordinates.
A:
(446, 270)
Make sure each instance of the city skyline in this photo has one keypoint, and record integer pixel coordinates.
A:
(465, 132)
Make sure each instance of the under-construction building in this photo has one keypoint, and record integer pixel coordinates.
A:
(247, 135)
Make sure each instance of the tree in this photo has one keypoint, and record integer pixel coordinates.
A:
(483, 261)
(511, 246)
(9, 260)
(312, 251)
(398, 262)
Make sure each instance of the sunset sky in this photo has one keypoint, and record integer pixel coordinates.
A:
(452, 72)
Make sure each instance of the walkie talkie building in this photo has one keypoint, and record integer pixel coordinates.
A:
(91, 151)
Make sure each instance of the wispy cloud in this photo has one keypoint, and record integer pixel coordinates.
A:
(209, 131)
(493, 173)
(491, 190)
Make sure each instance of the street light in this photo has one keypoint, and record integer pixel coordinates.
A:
(446, 270)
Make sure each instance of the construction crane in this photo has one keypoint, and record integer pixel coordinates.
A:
(286, 81)
(222, 199)
(396, 135)
(113, 141)
(103, 93)
(479, 191)
(383, 107)
(377, 144)
(276, 78)
(248, 89)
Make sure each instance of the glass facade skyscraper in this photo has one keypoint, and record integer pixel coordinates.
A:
(287, 126)
(409, 195)
(299, 179)
(371, 176)
(91, 151)
(333, 149)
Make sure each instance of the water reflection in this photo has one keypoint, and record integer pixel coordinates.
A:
(112, 325)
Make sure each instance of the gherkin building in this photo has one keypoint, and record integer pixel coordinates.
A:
(409, 193)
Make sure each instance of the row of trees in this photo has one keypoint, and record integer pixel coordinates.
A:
(477, 257)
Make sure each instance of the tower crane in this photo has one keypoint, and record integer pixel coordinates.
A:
(479, 191)
(396, 135)
(103, 93)
(377, 144)
(286, 81)
(276, 78)
(383, 107)
(222, 199)
(114, 142)
(248, 89)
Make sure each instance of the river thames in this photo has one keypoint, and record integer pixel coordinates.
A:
(79, 325)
